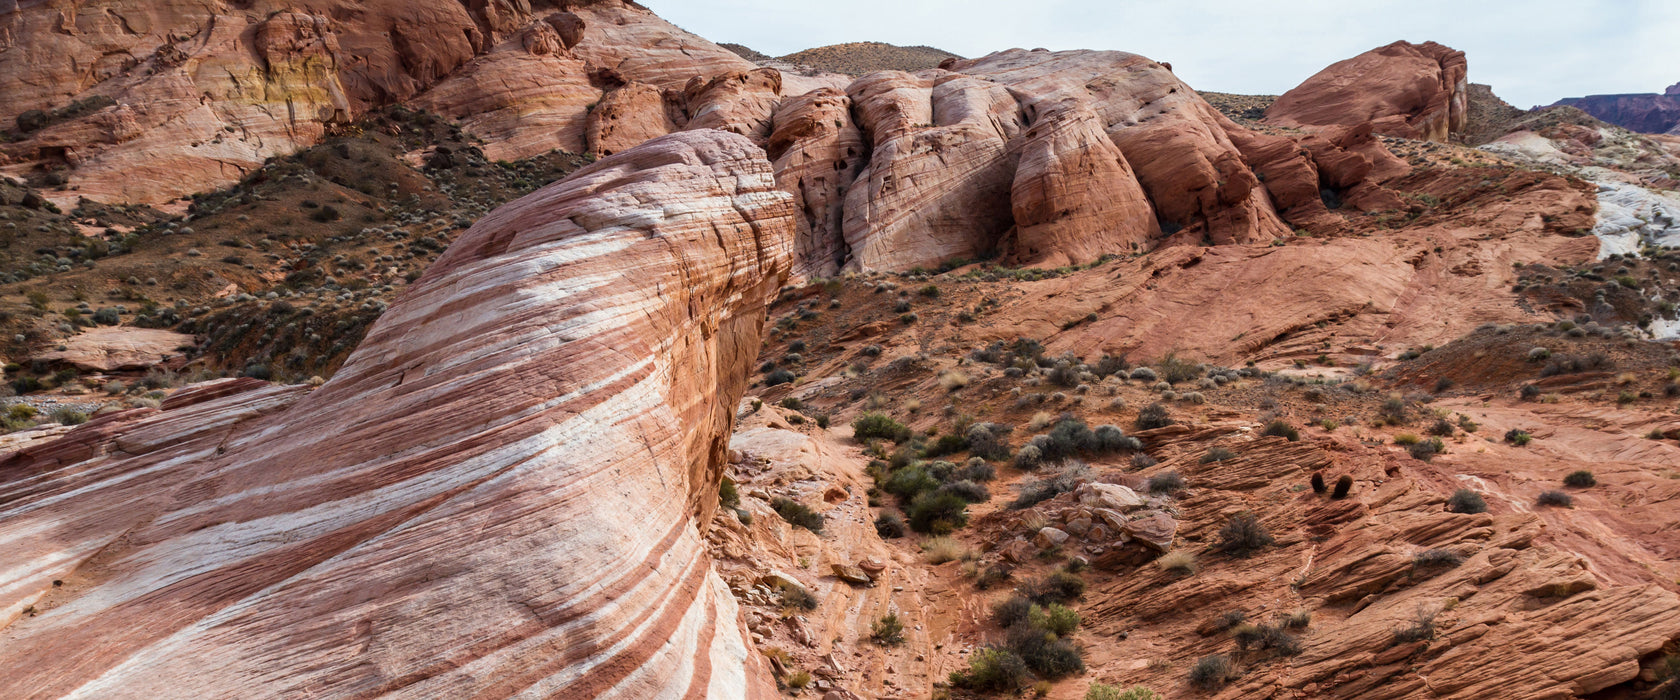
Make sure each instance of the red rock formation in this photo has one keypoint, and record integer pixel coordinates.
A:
(1075, 198)
(818, 152)
(496, 495)
(1648, 113)
(1417, 91)
(628, 115)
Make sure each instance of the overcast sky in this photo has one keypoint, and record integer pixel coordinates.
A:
(1532, 51)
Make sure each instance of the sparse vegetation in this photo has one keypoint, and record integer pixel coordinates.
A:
(1243, 535)
(879, 426)
(1436, 558)
(1211, 672)
(1518, 437)
(1466, 501)
(1556, 498)
(1165, 483)
(887, 631)
(1318, 483)
(1178, 561)
(1153, 416)
(1281, 428)
(796, 513)
(1580, 479)
(1343, 486)
(889, 524)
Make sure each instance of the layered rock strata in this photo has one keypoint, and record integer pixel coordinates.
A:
(1416, 91)
(496, 496)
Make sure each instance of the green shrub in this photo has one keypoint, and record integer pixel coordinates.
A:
(887, 631)
(1174, 369)
(938, 513)
(1556, 498)
(780, 376)
(878, 425)
(1518, 437)
(1243, 535)
(792, 403)
(967, 490)
(992, 669)
(797, 513)
(1426, 450)
(1057, 618)
(1011, 611)
(69, 416)
(1466, 501)
(1056, 587)
(1036, 491)
(728, 495)
(909, 482)
(795, 596)
(1044, 652)
(1580, 479)
(1102, 691)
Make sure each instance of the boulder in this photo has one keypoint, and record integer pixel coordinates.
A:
(851, 574)
(1048, 537)
(113, 348)
(1154, 529)
(1416, 91)
(1113, 497)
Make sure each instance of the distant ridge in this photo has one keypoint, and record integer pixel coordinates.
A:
(859, 58)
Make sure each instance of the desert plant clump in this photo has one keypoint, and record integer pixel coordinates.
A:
(1178, 561)
(1066, 479)
(944, 549)
(779, 376)
(728, 495)
(1436, 558)
(1243, 535)
(68, 416)
(1143, 461)
(1580, 479)
(798, 514)
(1103, 691)
(1217, 454)
(1426, 450)
(1421, 628)
(1058, 586)
(889, 524)
(1153, 416)
(1466, 501)
(887, 631)
(1281, 428)
(1166, 483)
(988, 441)
(1518, 437)
(1343, 486)
(1556, 498)
(938, 512)
(992, 669)
(1318, 483)
(1211, 672)
(795, 596)
(881, 426)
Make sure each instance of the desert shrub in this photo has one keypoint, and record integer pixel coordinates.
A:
(987, 440)
(967, 490)
(1056, 587)
(1518, 437)
(1299, 619)
(1145, 374)
(1441, 428)
(1580, 479)
(952, 380)
(797, 513)
(1028, 458)
(68, 416)
(795, 596)
(1044, 652)
(728, 495)
(879, 425)
(943, 549)
(992, 669)
(949, 443)
(1175, 369)
(1556, 498)
(1142, 460)
(1230, 619)
(791, 403)
(1036, 491)
(889, 524)
(1243, 535)
(1406, 439)
(909, 482)
(780, 376)
(1318, 483)
(1426, 449)
(1011, 611)
(1064, 374)
(887, 631)
(1573, 364)
(1109, 364)
(1466, 501)
(1266, 637)
(938, 512)
(1422, 627)
(1211, 672)
(1178, 561)
(977, 471)
(1166, 483)
(1153, 416)
(1059, 619)
(1529, 392)
(1110, 438)
(1217, 454)
(1281, 428)
(1436, 557)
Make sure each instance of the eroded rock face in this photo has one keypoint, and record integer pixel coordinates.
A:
(1417, 91)
(818, 152)
(497, 494)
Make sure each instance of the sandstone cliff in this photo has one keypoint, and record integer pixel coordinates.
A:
(497, 494)
(1417, 91)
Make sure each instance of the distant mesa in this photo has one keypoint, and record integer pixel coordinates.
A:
(1648, 113)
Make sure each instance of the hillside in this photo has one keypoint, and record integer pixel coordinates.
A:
(863, 57)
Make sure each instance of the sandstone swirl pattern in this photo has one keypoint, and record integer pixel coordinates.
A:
(495, 497)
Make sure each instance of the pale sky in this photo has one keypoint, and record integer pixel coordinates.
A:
(1532, 52)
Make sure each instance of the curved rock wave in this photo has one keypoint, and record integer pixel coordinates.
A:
(496, 496)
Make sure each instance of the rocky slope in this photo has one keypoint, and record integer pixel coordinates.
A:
(498, 493)
(865, 57)
(1417, 91)
(1649, 113)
